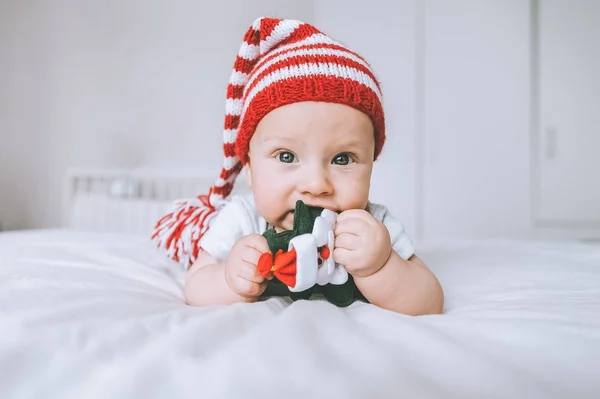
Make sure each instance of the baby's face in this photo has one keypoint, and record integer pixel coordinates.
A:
(320, 153)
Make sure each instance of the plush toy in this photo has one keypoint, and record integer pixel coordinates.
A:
(303, 255)
(301, 259)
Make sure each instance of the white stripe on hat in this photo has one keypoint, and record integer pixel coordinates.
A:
(220, 182)
(248, 51)
(238, 78)
(233, 106)
(229, 136)
(215, 198)
(229, 162)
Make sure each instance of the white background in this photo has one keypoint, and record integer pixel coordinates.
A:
(492, 105)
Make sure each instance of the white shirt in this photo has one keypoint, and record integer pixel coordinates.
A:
(239, 218)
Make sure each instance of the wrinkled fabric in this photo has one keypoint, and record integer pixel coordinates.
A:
(104, 316)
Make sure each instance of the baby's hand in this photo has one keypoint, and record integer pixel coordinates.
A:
(240, 269)
(362, 243)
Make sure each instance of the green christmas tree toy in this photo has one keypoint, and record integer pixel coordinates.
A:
(301, 259)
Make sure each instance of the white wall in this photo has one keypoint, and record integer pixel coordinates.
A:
(113, 84)
(476, 118)
(568, 123)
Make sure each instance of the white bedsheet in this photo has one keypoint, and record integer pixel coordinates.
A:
(97, 316)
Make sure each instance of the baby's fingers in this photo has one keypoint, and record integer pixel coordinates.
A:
(347, 241)
(249, 288)
(252, 255)
(343, 256)
(257, 242)
(248, 271)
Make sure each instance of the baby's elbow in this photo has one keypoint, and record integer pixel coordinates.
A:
(193, 296)
(431, 302)
(437, 303)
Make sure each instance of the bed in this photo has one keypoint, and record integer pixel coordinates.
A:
(102, 315)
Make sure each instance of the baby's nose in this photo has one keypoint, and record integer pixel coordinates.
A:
(316, 183)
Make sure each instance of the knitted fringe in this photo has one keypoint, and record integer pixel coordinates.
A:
(178, 233)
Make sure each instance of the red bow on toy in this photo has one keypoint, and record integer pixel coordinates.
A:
(283, 264)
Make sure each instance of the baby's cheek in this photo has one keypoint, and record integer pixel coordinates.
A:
(353, 193)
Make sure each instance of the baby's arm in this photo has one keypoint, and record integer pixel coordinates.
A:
(403, 286)
(205, 283)
(371, 251)
(209, 282)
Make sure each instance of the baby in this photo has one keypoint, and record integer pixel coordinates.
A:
(304, 117)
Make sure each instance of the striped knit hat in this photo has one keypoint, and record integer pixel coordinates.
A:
(279, 62)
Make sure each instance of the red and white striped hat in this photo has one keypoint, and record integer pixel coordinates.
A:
(280, 61)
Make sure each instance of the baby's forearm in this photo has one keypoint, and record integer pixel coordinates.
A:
(402, 286)
(207, 286)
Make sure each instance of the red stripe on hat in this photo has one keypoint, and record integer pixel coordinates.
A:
(243, 65)
(223, 191)
(300, 33)
(227, 173)
(227, 188)
(232, 121)
(229, 149)
(235, 91)
(267, 25)
(303, 59)
(252, 36)
(196, 247)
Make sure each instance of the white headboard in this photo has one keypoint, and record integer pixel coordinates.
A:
(129, 201)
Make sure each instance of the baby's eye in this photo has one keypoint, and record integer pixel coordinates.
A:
(342, 159)
(286, 157)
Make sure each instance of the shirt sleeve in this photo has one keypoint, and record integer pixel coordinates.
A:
(401, 241)
(233, 222)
